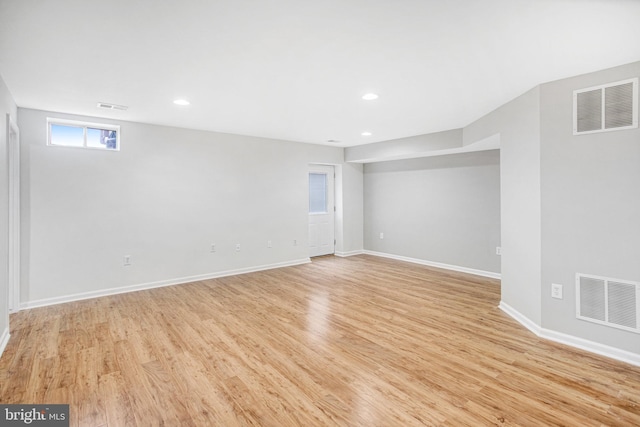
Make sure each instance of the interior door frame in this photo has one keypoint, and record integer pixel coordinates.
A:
(13, 160)
(331, 210)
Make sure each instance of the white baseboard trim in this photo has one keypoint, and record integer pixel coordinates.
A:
(523, 320)
(591, 346)
(457, 268)
(159, 284)
(4, 340)
(349, 253)
(572, 341)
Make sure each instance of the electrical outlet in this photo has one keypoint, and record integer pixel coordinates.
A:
(381, 235)
(556, 291)
(213, 247)
(237, 247)
(269, 245)
(126, 261)
(498, 250)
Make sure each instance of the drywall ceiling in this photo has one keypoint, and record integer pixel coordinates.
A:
(296, 69)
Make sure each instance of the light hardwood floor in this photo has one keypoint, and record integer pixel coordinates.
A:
(361, 341)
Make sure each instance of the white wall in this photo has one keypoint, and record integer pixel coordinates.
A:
(590, 207)
(443, 209)
(350, 209)
(518, 123)
(163, 199)
(570, 205)
(7, 106)
(450, 139)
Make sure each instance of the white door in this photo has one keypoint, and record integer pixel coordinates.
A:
(321, 210)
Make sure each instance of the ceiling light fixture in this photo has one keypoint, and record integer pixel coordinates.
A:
(370, 96)
(366, 134)
(181, 102)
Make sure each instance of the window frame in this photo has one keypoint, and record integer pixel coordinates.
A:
(84, 126)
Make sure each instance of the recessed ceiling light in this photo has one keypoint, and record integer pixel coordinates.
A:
(181, 102)
(370, 96)
(335, 141)
(366, 134)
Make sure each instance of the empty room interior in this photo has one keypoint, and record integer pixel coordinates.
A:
(330, 213)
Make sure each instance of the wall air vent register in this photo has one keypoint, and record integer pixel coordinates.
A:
(613, 106)
(609, 302)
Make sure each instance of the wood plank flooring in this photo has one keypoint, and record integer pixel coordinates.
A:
(361, 341)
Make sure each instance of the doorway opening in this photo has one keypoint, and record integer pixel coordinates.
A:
(321, 210)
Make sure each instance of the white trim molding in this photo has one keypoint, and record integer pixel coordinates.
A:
(348, 254)
(570, 340)
(457, 268)
(523, 320)
(13, 161)
(4, 340)
(159, 284)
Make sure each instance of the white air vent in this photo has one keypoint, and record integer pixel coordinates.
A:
(108, 106)
(610, 302)
(613, 106)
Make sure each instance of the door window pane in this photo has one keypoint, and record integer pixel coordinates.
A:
(317, 193)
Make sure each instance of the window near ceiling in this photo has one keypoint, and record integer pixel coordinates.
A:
(72, 133)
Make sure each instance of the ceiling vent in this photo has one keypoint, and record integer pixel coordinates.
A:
(613, 106)
(610, 302)
(107, 106)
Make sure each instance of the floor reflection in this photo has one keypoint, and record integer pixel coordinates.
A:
(318, 314)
